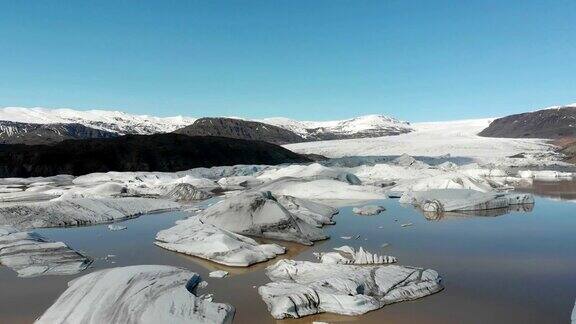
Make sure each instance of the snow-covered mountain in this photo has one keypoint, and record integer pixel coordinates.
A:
(123, 123)
(31, 133)
(363, 126)
(110, 121)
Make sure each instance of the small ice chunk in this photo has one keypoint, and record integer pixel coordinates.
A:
(347, 255)
(368, 210)
(114, 228)
(218, 274)
(406, 224)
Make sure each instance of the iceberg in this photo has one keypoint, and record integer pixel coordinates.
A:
(301, 288)
(261, 214)
(368, 210)
(448, 200)
(136, 294)
(347, 255)
(192, 237)
(32, 255)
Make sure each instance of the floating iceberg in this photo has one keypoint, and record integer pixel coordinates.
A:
(447, 200)
(347, 255)
(368, 210)
(78, 211)
(301, 288)
(545, 174)
(262, 214)
(136, 294)
(321, 189)
(31, 255)
(192, 237)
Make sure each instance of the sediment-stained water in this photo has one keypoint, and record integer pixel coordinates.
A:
(512, 268)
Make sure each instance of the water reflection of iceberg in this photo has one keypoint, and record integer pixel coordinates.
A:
(436, 216)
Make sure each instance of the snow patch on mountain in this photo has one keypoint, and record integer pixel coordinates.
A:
(363, 126)
(111, 121)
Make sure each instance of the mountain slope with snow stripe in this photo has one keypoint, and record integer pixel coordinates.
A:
(110, 121)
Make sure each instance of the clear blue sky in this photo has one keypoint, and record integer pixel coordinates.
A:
(415, 60)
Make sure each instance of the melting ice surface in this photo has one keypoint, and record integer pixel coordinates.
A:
(516, 267)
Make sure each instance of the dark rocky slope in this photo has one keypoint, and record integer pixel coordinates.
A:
(548, 123)
(242, 129)
(158, 152)
(29, 133)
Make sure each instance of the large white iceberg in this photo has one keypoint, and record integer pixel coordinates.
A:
(78, 211)
(262, 214)
(136, 294)
(31, 255)
(447, 200)
(301, 288)
(192, 237)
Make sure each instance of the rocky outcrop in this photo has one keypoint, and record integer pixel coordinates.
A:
(32, 134)
(555, 122)
(242, 129)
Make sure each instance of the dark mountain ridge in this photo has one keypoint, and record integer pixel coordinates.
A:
(242, 129)
(547, 123)
(30, 133)
(159, 152)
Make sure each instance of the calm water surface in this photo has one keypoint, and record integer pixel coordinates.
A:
(512, 268)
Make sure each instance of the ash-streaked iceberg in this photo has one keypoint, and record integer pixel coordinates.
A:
(136, 294)
(78, 211)
(262, 214)
(348, 255)
(448, 200)
(301, 288)
(192, 237)
(32, 255)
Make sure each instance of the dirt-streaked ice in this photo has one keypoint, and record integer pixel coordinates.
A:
(348, 255)
(136, 294)
(192, 237)
(301, 288)
(31, 255)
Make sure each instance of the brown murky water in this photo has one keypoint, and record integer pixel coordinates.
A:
(516, 267)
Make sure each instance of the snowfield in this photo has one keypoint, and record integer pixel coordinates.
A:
(456, 138)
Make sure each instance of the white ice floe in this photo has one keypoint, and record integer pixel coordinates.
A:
(218, 274)
(312, 171)
(322, 189)
(192, 237)
(31, 255)
(301, 288)
(545, 174)
(368, 210)
(136, 294)
(78, 211)
(113, 227)
(262, 214)
(446, 200)
(347, 255)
